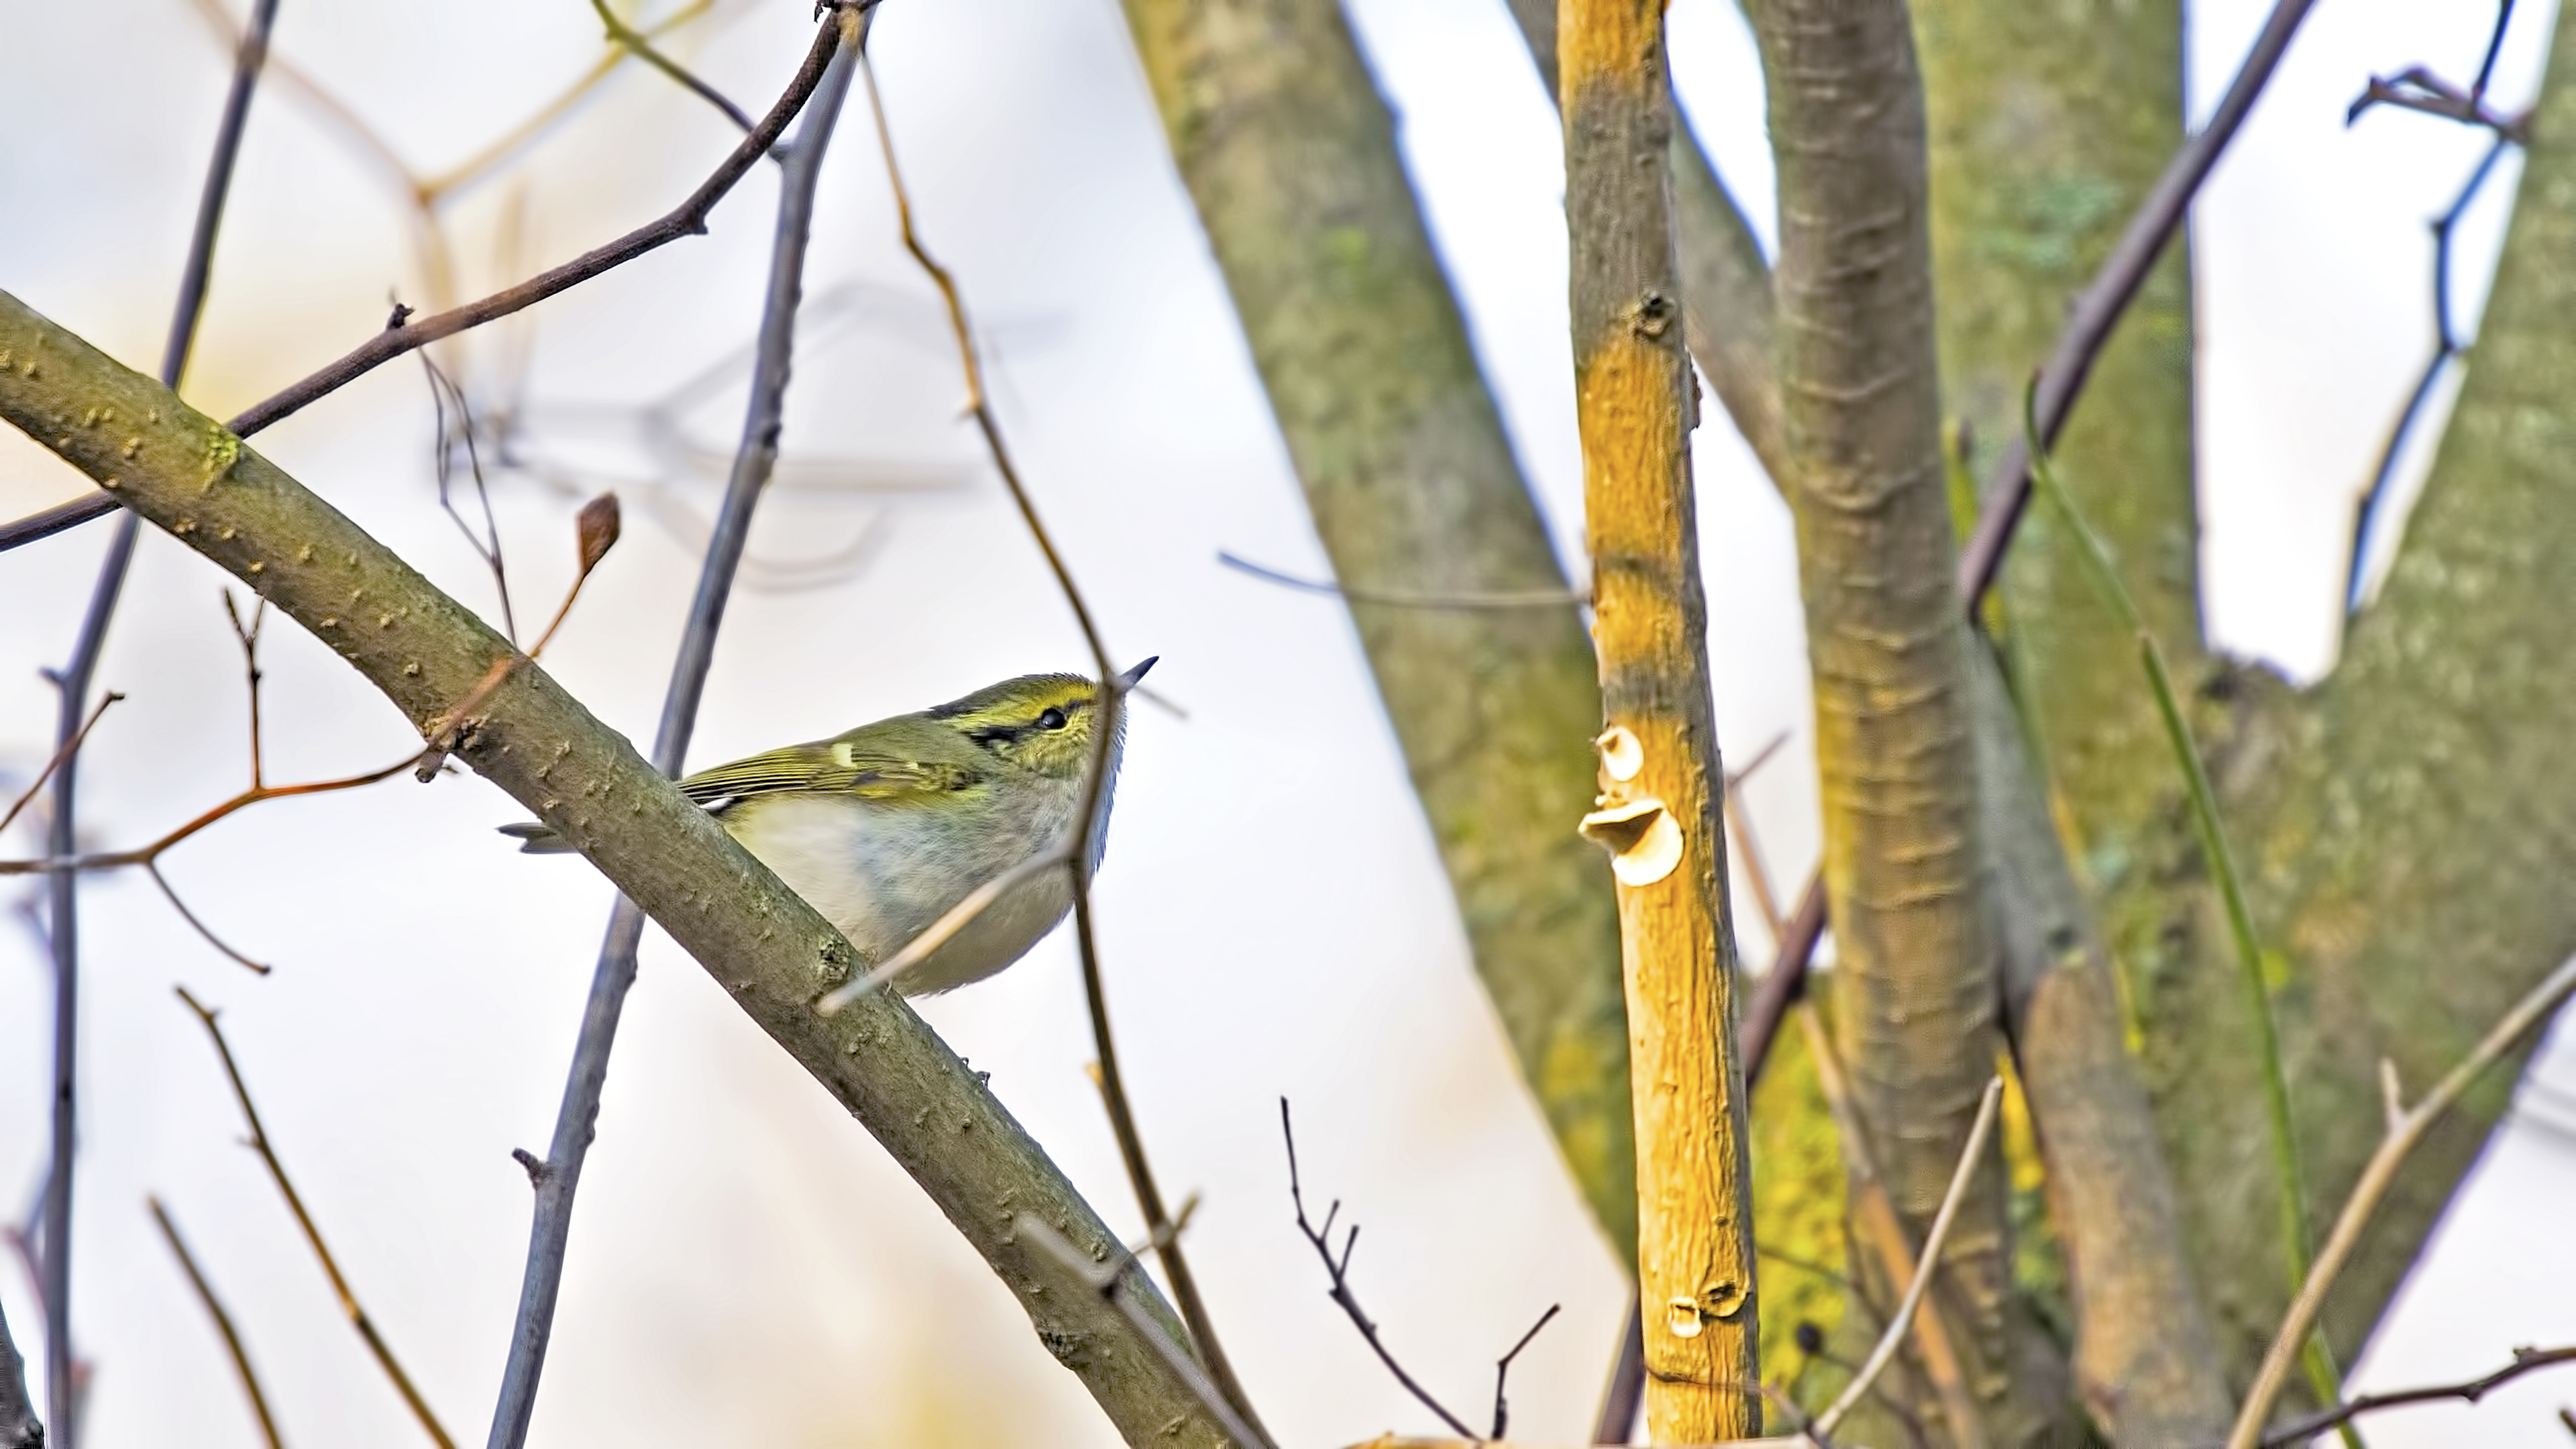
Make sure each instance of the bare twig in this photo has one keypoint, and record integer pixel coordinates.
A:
(247, 635)
(2114, 286)
(2418, 89)
(1878, 1358)
(206, 933)
(1413, 598)
(2448, 347)
(1107, 1278)
(687, 219)
(64, 752)
(835, 56)
(621, 33)
(2376, 1176)
(1095, 793)
(487, 544)
(358, 1318)
(214, 1307)
(145, 855)
(1503, 1369)
(73, 684)
(2525, 1360)
(596, 533)
(1338, 1271)
(2410, 90)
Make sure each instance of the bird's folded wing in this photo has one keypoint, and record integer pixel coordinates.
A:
(828, 767)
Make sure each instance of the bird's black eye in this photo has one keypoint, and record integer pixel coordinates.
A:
(1053, 719)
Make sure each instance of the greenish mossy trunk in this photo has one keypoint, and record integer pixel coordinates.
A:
(1290, 155)
(2407, 824)
(2048, 124)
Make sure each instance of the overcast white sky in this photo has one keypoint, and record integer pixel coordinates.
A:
(747, 1266)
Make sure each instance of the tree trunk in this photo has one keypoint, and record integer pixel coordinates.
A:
(2048, 123)
(1915, 984)
(1290, 155)
(1662, 782)
(2407, 824)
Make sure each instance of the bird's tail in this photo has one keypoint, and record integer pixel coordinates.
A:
(537, 839)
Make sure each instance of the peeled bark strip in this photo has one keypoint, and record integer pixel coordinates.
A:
(1660, 772)
(1915, 972)
(186, 475)
(1290, 156)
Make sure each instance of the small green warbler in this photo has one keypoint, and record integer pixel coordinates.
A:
(883, 829)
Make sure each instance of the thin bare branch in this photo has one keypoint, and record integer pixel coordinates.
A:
(73, 682)
(1897, 1326)
(687, 219)
(358, 1318)
(1338, 1271)
(2418, 89)
(204, 932)
(1095, 795)
(1414, 598)
(1503, 1369)
(486, 545)
(2115, 284)
(2376, 1176)
(2525, 1360)
(837, 54)
(596, 532)
(147, 854)
(214, 1307)
(2448, 347)
(68, 748)
(248, 637)
(621, 33)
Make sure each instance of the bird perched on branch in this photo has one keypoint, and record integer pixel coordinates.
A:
(887, 827)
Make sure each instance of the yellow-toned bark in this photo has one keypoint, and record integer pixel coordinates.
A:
(1660, 773)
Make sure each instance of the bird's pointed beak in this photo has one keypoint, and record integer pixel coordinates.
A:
(1127, 681)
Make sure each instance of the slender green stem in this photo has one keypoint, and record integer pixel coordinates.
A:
(2297, 1246)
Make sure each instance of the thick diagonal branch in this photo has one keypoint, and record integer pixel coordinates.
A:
(771, 952)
